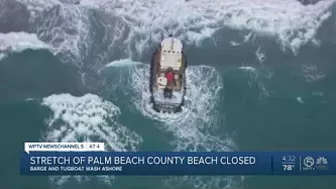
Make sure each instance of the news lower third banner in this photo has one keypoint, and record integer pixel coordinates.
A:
(91, 159)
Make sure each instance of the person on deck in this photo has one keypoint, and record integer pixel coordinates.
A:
(168, 91)
(170, 76)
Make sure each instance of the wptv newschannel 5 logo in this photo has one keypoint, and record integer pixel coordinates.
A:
(310, 163)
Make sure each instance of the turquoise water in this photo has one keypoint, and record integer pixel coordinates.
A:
(253, 96)
(254, 119)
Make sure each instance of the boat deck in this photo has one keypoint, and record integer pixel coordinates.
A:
(159, 98)
(168, 57)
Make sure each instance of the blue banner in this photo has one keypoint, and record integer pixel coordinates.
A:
(178, 163)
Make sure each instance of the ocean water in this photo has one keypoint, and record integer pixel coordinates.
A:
(261, 78)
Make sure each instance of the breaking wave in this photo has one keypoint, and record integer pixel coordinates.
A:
(124, 28)
(15, 42)
(90, 119)
(90, 33)
(194, 128)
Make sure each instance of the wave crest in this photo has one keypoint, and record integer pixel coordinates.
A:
(90, 119)
(15, 42)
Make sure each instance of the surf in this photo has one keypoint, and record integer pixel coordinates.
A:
(195, 126)
(87, 118)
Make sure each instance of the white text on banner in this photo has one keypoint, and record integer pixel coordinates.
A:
(63, 146)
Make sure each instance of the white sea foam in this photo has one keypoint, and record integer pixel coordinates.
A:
(194, 128)
(63, 25)
(134, 24)
(18, 42)
(247, 68)
(203, 83)
(2, 56)
(260, 55)
(299, 99)
(311, 73)
(234, 43)
(292, 23)
(122, 63)
(87, 118)
(256, 78)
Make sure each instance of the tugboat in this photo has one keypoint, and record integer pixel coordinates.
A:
(168, 76)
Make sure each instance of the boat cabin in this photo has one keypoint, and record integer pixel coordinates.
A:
(169, 65)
